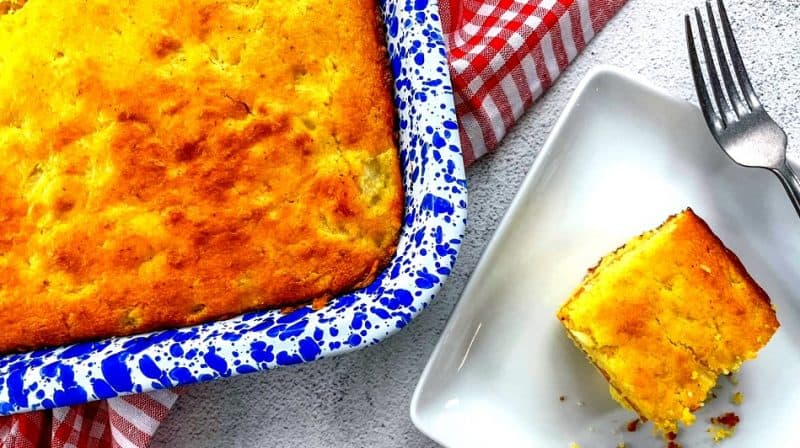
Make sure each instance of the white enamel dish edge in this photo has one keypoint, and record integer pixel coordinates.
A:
(623, 156)
(435, 215)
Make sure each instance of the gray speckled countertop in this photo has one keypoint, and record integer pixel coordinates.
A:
(362, 399)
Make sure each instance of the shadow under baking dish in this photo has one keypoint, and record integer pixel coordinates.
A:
(435, 215)
(623, 156)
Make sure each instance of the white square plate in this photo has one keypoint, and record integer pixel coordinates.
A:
(622, 157)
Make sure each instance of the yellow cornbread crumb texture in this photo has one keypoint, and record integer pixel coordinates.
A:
(665, 315)
(719, 433)
(164, 163)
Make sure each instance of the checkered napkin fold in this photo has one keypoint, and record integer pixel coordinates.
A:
(503, 55)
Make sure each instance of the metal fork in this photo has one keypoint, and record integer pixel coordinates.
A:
(739, 124)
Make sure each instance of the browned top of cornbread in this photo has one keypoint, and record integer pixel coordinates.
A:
(164, 163)
(667, 313)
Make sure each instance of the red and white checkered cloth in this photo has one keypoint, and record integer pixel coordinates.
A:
(126, 422)
(503, 55)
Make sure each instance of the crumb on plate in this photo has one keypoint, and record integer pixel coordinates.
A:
(719, 433)
(632, 425)
(728, 419)
(737, 398)
(722, 426)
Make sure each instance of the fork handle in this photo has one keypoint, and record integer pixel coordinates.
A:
(791, 183)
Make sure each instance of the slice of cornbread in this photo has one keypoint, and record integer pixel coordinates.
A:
(663, 316)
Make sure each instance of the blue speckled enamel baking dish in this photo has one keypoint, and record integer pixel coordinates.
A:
(435, 216)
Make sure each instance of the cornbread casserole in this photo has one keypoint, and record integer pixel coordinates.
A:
(164, 163)
(663, 316)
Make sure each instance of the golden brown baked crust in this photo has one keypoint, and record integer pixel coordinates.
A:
(667, 313)
(164, 163)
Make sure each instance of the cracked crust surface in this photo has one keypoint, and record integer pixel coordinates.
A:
(168, 163)
(663, 316)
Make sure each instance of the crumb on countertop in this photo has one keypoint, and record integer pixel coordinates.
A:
(621, 445)
(737, 398)
(580, 403)
(562, 398)
(574, 445)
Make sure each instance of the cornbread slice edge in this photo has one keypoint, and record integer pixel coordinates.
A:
(644, 327)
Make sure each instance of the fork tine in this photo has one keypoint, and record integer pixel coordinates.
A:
(736, 58)
(722, 104)
(733, 94)
(710, 115)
